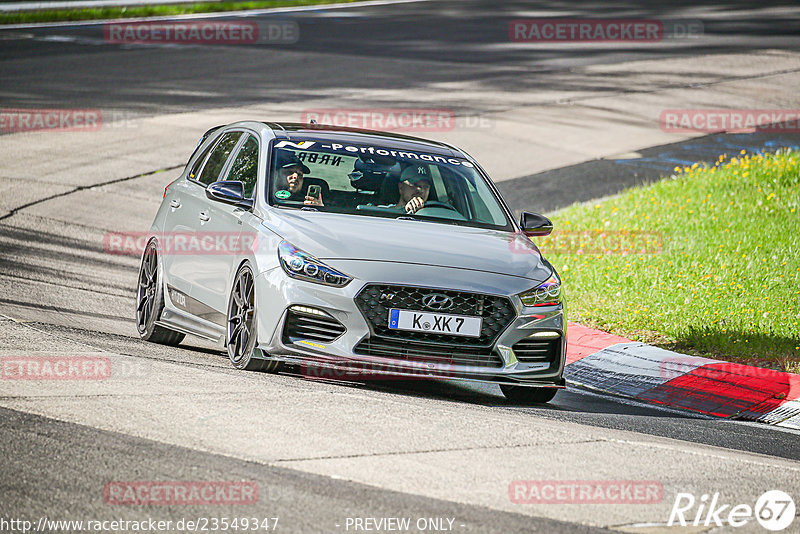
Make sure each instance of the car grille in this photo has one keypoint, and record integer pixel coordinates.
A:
(532, 350)
(497, 313)
(428, 352)
(312, 327)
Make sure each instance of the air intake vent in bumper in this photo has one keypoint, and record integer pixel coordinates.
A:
(310, 324)
(530, 350)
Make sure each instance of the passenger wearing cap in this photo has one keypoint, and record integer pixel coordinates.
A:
(415, 186)
(290, 173)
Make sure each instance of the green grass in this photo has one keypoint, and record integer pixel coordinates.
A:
(114, 12)
(720, 272)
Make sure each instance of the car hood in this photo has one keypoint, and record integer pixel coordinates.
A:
(334, 236)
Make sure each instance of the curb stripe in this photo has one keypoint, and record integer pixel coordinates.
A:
(616, 365)
(725, 390)
(787, 415)
(706, 390)
(583, 341)
(630, 369)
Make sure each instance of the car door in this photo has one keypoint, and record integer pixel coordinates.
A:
(211, 284)
(174, 222)
(187, 230)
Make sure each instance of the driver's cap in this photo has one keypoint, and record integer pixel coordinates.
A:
(416, 173)
(287, 158)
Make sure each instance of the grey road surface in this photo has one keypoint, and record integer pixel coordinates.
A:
(553, 123)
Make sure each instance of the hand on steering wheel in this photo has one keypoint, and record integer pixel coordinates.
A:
(414, 205)
(437, 204)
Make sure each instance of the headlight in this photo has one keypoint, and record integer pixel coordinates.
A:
(546, 294)
(298, 264)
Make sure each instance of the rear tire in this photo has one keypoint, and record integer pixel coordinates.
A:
(150, 301)
(240, 334)
(528, 395)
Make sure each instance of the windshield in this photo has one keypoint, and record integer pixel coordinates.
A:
(382, 182)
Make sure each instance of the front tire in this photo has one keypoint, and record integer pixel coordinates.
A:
(150, 301)
(241, 339)
(528, 395)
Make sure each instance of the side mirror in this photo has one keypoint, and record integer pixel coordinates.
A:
(533, 224)
(229, 192)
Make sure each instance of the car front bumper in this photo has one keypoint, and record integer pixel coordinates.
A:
(510, 362)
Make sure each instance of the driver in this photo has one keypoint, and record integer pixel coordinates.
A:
(415, 186)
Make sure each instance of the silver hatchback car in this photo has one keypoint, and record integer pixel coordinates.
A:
(352, 253)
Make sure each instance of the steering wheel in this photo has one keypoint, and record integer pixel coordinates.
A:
(437, 204)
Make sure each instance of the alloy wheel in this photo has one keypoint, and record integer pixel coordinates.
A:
(241, 316)
(148, 286)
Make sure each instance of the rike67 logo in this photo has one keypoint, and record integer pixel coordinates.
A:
(774, 510)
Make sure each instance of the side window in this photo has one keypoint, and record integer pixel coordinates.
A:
(199, 163)
(218, 157)
(245, 167)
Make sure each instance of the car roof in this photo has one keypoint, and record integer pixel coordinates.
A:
(294, 131)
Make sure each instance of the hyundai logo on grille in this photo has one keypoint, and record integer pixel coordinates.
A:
(437, 301)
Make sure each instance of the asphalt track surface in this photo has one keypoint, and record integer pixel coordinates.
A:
(60, 293)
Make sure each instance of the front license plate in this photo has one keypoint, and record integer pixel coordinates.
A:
(435, 323)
